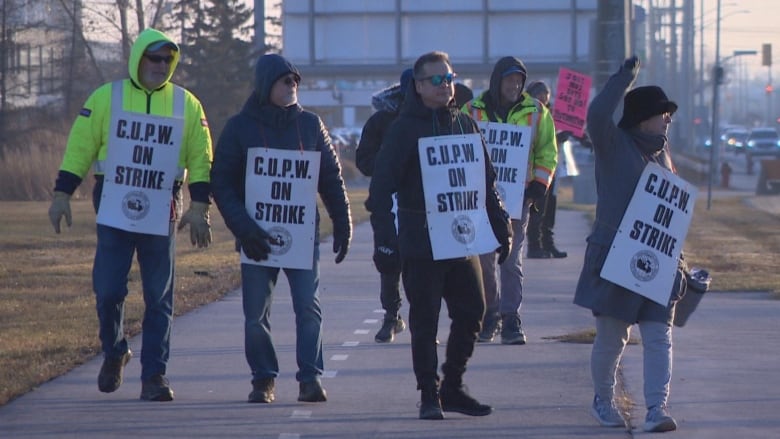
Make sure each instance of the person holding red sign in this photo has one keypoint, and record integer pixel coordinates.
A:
(622, 151)
(541, 222)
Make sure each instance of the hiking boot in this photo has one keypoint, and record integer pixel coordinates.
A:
(456, 399)
(658, 420)
(430, 404)
(512, 330)
(110, 377)
(607, 413)
(156, 389)
(390, 327)
(489, 331)
(262, 390)
(538, 253)
(312, 391)
(555, 253)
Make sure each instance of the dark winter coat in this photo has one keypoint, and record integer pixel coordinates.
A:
(621, 156)
(387, 103)
(262, 124)
(397, 170)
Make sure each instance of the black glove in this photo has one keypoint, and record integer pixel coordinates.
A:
(534, 195)
(341, 239)
(386, 259)
(631, 64)
(255, 244)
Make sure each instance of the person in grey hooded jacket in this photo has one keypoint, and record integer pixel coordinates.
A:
(272, 119)
(622, 152)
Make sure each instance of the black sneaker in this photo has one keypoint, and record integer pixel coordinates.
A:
(456, 399)
(430, 404)
(312, 391)
(156, 388)
(512, 331)
(262, 390)
(110, 377)
(390, 327)
(555, 253)
(538, 254)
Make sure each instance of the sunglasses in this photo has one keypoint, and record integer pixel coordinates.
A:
(437, 80)
(290, 80)
(157, 59)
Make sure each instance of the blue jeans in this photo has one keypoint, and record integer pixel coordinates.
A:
(257, 285)
(113, 259)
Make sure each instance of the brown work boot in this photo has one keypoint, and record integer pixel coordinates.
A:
(110, 377)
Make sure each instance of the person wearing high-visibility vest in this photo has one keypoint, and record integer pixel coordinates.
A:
(506, 102)
(144, 136)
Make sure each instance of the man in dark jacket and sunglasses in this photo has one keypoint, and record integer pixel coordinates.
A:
(429, 111)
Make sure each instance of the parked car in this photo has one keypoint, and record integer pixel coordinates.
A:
(763, 141)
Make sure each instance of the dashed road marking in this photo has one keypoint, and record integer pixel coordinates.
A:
(301, 414)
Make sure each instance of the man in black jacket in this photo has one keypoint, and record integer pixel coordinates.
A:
(429, 110)
(387, 103)
(249, 169)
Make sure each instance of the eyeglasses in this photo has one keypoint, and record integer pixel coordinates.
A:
(157, 59)
(290, 80)
(437, 80)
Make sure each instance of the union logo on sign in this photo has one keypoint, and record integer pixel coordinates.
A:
(280, 240)
(644, 265)
(463, 229)
(135, 205)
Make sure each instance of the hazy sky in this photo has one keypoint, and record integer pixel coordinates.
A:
(745, 25)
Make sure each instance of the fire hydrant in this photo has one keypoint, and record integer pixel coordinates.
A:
(725, 175)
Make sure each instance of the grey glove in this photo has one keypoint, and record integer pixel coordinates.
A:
(60, 206)
(197, 216)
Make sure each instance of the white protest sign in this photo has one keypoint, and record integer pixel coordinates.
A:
(281, 196)
(453, 176)
(141, 164)
(508, 146)
(645, 253)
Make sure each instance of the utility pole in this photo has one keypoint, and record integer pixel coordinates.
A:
(259, 39)
(613, 18)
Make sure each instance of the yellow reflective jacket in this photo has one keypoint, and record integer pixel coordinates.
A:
(543, 154)
(88, 139)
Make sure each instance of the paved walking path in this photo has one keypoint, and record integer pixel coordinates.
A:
(726, 382)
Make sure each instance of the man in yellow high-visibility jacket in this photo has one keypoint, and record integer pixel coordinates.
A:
(505, 102)
(144, 136)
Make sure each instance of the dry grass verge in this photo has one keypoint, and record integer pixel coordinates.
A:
(48, 323)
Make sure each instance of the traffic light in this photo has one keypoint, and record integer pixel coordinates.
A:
(766, 55)
(768, 89)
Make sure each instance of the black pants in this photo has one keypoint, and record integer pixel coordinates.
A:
(459, 283)
(541, 222)
(390, 293)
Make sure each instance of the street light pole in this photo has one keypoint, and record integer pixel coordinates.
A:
(717, 75)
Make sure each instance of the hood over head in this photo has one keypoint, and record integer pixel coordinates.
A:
(268, 69)
(151, 40)
(505, 66)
